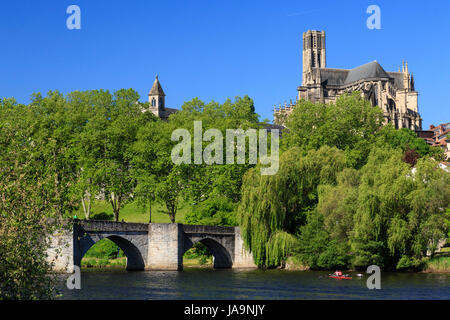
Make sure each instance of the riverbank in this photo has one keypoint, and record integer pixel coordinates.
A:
(437, 264)
(440, 264)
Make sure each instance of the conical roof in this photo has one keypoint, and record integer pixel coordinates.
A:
(156, 89)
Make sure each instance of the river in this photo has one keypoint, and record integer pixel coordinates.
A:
(251, 284)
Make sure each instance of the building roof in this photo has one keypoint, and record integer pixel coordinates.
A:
(169, 111)
(156, 89)
(398, 79)
(333, 76)
(425, 134)
(371, 70)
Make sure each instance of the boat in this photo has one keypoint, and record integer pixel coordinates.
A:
(339, 275)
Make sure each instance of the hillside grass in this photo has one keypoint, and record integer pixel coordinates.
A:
(102, 210)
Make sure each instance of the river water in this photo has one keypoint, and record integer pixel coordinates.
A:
(251, 284)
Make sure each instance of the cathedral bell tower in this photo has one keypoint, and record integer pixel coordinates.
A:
(156, 98)
(314, 52)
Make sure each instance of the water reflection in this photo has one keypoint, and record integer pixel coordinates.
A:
(253, 284)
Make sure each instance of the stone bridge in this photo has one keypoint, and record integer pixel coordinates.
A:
(154, 246)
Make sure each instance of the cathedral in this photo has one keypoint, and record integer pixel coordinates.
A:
(393, 92)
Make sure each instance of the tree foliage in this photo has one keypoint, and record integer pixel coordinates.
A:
(280, 203)
(353, 192)
(350, 125)
(389, 214)
(37, 168)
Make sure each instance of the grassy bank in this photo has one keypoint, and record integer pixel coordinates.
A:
(89, 262)
(293, 263)
(198, 262)
(438, 265)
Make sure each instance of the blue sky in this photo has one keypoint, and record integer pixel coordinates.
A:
(215, 50)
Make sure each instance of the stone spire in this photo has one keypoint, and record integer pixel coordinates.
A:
(406, 78)
(156, 89)
(156, 98)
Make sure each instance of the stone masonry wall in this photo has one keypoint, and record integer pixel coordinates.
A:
(165, 247)
(242, 257)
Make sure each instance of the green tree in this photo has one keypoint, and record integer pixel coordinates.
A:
(37, 168)
(273, 208)
(350, 125)
(406, 140)
(156, 175)
(218, 185)
(104, 146)
(389, 214)
(217, 180)
(214, 211)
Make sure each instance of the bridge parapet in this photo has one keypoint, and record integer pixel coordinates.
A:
(211, 230)
(110, 226)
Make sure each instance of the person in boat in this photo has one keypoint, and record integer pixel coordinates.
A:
(339, 275)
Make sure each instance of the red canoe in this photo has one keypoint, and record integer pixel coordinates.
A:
(339, 277)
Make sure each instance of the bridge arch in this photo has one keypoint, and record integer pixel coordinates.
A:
(135, 259)
(222, 258)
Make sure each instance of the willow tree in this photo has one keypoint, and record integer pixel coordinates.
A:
(273, 208)
(389, 214)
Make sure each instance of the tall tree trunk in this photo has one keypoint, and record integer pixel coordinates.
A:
(171, 210)
(115, 202)
(173, 214)
(150, 204)
(86, 209)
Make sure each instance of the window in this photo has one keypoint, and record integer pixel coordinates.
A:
(153, 102)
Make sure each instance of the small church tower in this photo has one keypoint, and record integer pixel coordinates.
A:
(156, 97)
(314, 52)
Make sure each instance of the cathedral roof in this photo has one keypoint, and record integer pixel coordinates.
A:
(398, 79)
(333, 76)
(371, 70)
(156, 89)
